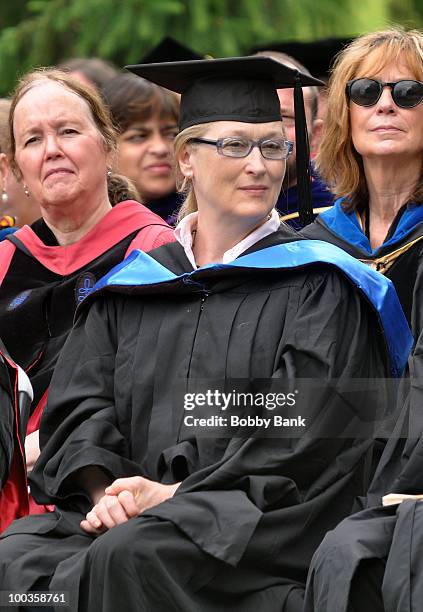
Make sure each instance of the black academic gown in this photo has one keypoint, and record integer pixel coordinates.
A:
(43, 283)
(241, 529)
(167, 207)
(8, 419)
(15, 400)
(375, 555)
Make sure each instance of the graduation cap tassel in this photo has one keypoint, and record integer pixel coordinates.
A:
(305, 206)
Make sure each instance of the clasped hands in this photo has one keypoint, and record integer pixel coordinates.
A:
(125, 498)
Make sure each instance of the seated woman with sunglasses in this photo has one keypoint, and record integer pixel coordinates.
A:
(371, 156)
(372, 153)
(153, 510)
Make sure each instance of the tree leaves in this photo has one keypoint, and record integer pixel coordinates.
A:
(44, 32)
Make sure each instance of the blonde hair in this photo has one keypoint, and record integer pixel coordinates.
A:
(184, 184)
(338, 162)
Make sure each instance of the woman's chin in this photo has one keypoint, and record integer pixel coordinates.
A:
(60, 196)
(255, 210)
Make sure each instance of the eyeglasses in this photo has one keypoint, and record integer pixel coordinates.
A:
(366, 92)
(270, 148)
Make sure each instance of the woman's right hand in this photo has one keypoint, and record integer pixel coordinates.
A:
(125, 498)
(105, 514)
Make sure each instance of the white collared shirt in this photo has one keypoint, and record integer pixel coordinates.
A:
(184, 229)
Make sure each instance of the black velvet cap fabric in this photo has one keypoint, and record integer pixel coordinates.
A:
(227, 89)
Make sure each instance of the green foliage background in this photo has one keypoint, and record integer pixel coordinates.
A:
(43, 32)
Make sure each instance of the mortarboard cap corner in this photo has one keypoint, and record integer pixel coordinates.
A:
(169, 50)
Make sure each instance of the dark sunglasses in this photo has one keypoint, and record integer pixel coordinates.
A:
(366, 92)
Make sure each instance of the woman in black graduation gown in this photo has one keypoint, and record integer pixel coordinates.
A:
(62, 143)
(152, 514)
(377, 88)
(371, 156)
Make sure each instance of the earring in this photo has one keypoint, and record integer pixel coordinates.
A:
(109, 173)
(4, 197)
(26, 192)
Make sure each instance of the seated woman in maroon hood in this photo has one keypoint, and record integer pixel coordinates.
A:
(62, 146)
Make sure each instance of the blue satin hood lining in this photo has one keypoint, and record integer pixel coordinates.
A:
(139, 269)
(345, 225)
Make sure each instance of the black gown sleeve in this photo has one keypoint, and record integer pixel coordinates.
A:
(7, 422)
(80, 426)
(417, 300)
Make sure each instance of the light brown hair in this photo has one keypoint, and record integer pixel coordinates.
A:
(338, 162)
(99, 111)
(4, 125)
(119, 187)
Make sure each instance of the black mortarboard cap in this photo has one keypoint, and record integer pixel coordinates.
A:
(238, 89)
(170, 50)
(317, 55)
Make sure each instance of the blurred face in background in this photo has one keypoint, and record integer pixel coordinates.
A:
(314, 127)
(23, 208)
(145, 155)
(13, 201)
